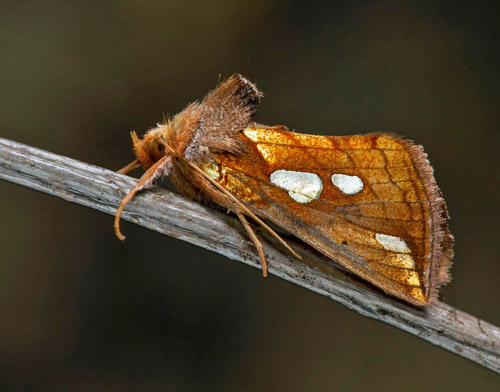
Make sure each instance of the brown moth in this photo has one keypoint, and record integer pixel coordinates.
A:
(368, 202)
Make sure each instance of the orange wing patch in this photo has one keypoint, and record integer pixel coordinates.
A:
(374, 208)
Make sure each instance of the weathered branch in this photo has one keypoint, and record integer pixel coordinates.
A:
(178, 217)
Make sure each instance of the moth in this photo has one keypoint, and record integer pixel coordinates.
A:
(368, 202)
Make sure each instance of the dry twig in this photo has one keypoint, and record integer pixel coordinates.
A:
(178, 217)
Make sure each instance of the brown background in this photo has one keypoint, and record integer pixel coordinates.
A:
(82, 311)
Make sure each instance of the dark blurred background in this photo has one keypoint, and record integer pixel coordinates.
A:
(82, 311)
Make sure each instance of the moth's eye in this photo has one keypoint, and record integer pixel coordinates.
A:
(157, 150)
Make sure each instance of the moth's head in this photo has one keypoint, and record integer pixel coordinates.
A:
(174, 134)
(152, 147)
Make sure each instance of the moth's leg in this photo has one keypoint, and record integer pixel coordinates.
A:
(158, 169)
(256, 242)
(243, 208)
(131, 166)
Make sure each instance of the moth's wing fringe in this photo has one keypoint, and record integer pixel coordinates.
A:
(442, 246)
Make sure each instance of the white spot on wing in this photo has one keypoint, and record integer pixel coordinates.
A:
(213, 171)
(302, 187)
(394, 244)
(349, 185)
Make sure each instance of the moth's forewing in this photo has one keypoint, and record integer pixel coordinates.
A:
(381, 215)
